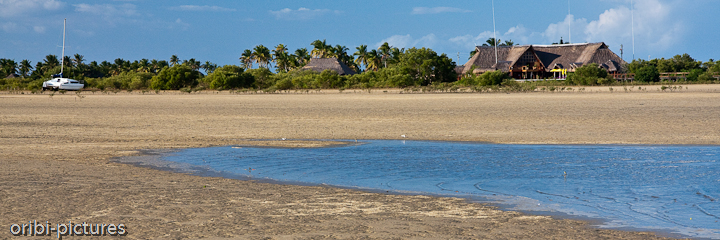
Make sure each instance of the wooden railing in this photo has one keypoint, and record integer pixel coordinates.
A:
(674, 75)
(623, 76)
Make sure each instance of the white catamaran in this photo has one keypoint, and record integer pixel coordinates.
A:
(59, 82)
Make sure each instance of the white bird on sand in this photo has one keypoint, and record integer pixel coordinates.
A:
(403, 136)
(283, 139)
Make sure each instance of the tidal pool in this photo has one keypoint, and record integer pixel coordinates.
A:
(662, 188)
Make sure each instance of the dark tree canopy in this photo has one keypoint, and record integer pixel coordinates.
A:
(175, 77)
(591, 74)
(647, 74)
(229, 77)
(425, 67)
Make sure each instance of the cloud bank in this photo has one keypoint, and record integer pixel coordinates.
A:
(300, 13)
(12, 8)
(654, 28)
(109, 12)
(204, 8)
(436, 10)
(407, 41)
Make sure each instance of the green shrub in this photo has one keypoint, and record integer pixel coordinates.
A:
(647, 73)
(229, 77)
(284, 84)
(491, 78)
(263, 77)
(694, 74)
(589, 75)
(176, 77)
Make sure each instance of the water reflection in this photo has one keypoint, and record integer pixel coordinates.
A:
(675, 188)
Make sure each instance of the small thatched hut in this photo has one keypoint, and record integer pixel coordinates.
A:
(322, 64)
(12, 75)
(543, 61)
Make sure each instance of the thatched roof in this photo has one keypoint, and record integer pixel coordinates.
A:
(12, 75)
(484, 59)
(565, 56)
(459, 69)
(322, 64)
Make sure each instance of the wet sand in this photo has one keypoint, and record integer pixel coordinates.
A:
(56, 154)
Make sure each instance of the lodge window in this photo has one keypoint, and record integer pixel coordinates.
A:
(527, 58)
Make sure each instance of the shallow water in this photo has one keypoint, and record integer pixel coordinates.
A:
(662, 188)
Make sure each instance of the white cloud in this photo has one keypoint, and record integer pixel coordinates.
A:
(407, 41)
(655, 28)
(9, 27)
(11, 8)
(301, 13)
(182, 25)
(469, 42)
(39, 29)
(576, 27)
(109, 12)
(518, 34)
(204, 8)
(435, 10)
(83, 33)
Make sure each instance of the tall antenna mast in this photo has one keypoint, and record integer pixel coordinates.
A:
(495, 33)
(569, 25)
(62, 58)
(632, 24)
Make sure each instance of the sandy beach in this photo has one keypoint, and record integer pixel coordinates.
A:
(56, 154)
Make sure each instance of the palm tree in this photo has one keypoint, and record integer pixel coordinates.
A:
(119, 66)
(154, 66)
(280, 57)
(78, 59)
(302, 56)
(280, 48)
(192, 64)
(294, 62)
(395, 55)
(51, 61)
(384, 51)
(8, 66)
(283, 61)
(491, 42)
(25, 68)
(362, 55)
(373, 60)
(39, 68)
(208, 67)
(68, 63)
(144, 65)
(106, 67)
(339, 51)
(174, 60)
(508, 43)
(262, 56)
(321, 49)
(247, 58)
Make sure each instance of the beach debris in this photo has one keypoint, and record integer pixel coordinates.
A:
(403, 136)
(283, 139)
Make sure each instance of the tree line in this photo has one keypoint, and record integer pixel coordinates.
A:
(386, 66)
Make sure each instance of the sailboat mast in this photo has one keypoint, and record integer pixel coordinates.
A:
(569, 24)
(632, 25)
(495, 33)
(62, 58)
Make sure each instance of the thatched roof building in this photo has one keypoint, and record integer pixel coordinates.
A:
(540, 61)
(12, 75)
(322, 64)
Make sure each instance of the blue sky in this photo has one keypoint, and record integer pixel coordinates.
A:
(218, 31)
